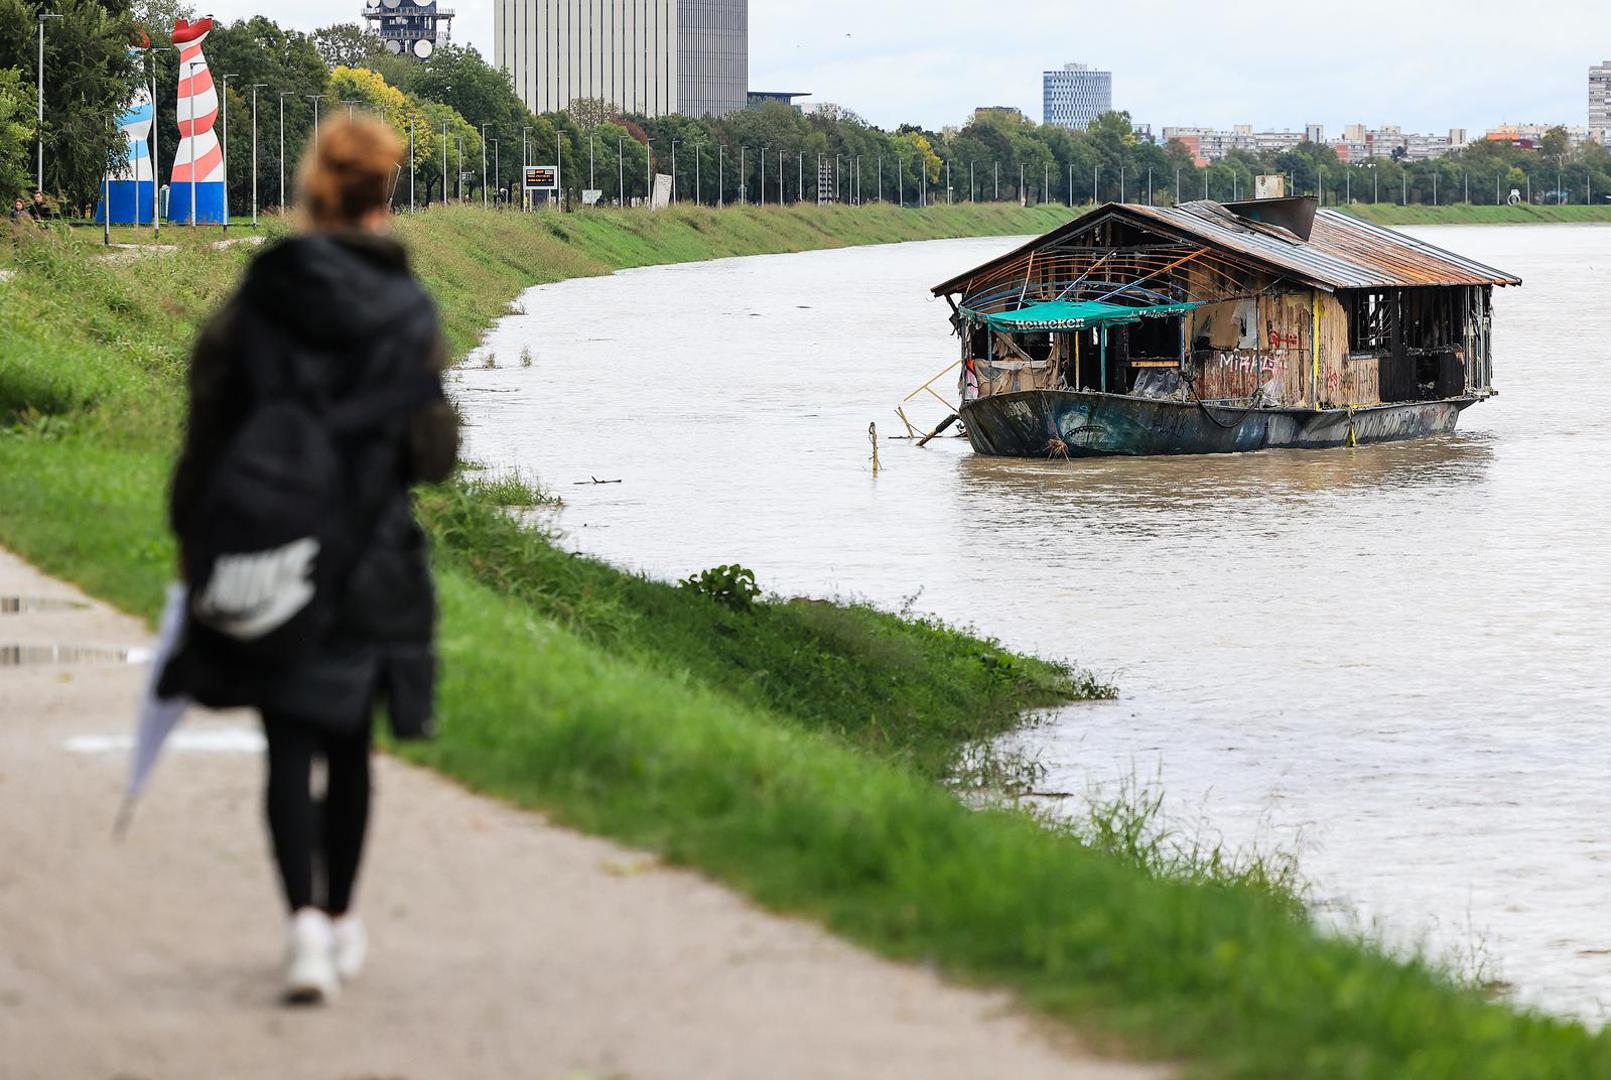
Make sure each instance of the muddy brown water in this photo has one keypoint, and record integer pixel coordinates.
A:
(1391, 658)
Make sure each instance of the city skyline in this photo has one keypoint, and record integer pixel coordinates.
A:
(1443, 65)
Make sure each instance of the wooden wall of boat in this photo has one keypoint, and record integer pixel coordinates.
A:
(1242, 346)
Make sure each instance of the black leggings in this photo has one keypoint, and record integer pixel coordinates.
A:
(303, 835)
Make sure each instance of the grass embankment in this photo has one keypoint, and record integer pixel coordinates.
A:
(789, 751)
(1388, 214)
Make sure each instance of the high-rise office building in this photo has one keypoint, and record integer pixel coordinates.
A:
(1600, 102)
(650, 57)
(1077, 95)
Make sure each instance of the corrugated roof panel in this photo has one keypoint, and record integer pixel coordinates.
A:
(1342, 252)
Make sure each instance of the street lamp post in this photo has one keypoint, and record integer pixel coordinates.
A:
(525, 160)
(225, 95)
(721, 174)
(674, 143)
(411, 163)
(316, 98)
(192, 66)
(484, 128)
(743, 177)
(764, 149)
(444, 163)
(283, 96)
(620, 170)
(497, 172)
(255, 88)
(156, 144)
(42, 16)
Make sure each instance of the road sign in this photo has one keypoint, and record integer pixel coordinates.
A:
(542, 178)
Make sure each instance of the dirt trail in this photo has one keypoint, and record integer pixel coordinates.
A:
(503, 946)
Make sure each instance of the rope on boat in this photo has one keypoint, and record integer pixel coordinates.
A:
(1191, 385)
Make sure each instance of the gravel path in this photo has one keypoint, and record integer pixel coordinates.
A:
(503, 946)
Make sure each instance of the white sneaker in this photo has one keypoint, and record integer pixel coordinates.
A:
(310, 977)
(351, 946)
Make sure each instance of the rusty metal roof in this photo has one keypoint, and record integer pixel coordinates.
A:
(1342, 252)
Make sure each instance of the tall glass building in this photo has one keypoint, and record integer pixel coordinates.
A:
(650, 57)
(1076, 96)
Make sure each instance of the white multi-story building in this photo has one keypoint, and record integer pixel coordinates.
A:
(1076, 96)
(1600, 102)
(1357, 143)
(647, 57)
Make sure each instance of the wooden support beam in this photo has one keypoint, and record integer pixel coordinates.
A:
(953, 418)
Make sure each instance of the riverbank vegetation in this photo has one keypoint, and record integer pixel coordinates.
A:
(789, 749)
(1386, 214)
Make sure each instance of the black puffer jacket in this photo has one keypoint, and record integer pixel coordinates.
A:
(347, 306)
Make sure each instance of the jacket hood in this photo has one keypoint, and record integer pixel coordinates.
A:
(333, 288)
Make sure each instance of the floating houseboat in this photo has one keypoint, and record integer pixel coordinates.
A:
(1212, 327)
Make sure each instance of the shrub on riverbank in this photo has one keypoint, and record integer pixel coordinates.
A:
(739, 742)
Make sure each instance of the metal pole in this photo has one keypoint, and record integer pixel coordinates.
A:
(743, 177)
(592, 179)
(42, 16)
(156, 159)
(721, 174)
(674, 171)
(283, 96)
(497, 172)
(225, 95)
(446, 193)
(255, 88)
(699, 180)
(620, 170)
(525, 160)
(764, 149)
(484, 128)
(973, 183)
(193, 65)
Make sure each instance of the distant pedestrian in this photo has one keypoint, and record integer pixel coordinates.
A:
(329, 325)
(19, 210)
(39, 209)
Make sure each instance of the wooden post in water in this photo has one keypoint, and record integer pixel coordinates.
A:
(872, 434)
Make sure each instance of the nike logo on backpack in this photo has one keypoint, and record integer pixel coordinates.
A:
(250, 596)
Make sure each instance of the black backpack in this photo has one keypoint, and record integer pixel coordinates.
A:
(280, 526)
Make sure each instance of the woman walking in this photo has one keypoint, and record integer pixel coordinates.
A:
(333, 321)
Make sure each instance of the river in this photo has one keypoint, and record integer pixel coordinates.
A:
(1392, 659)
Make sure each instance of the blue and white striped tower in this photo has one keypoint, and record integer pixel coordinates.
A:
(131, 182)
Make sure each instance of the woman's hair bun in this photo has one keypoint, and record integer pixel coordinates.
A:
(350, 171)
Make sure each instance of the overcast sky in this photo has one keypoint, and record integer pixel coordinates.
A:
(1427, 65)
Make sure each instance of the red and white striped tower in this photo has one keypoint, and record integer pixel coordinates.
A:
(198, 166)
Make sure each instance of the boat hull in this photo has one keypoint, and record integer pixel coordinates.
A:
(1059, 423)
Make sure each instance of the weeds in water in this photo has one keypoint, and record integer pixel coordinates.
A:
(525, 356)
(491, 361)
(1129, 822)
(509, 490)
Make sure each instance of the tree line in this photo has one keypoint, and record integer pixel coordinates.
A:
(455, 107)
